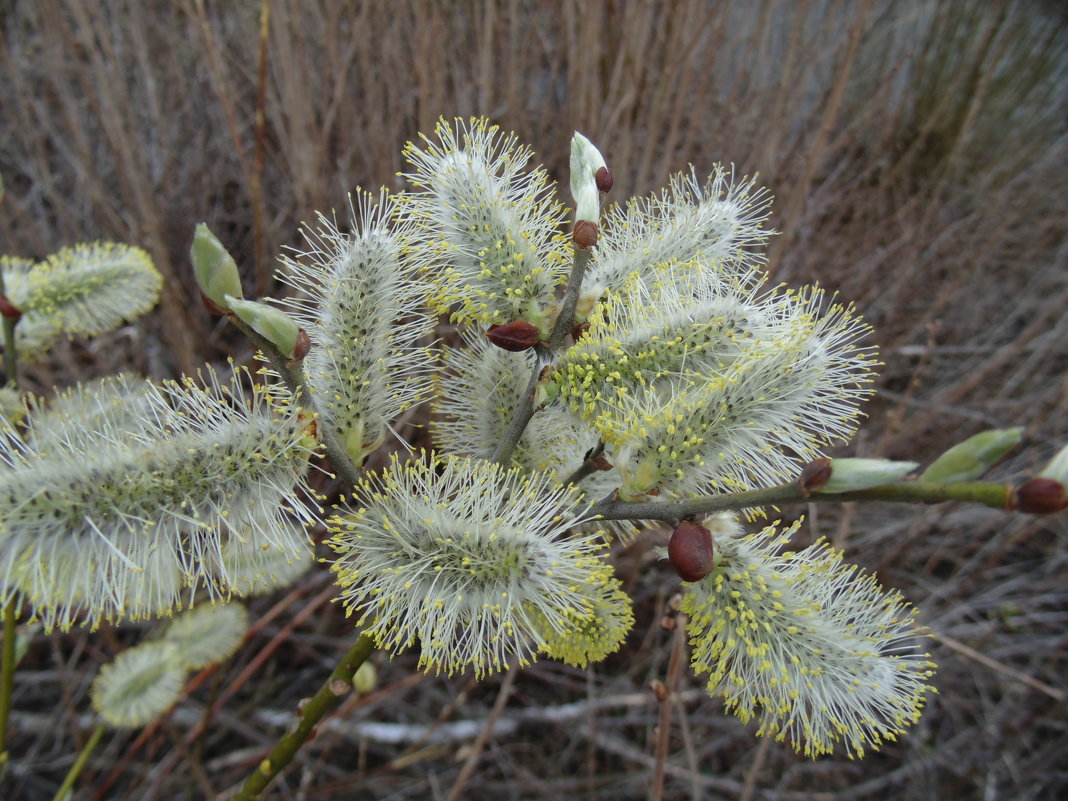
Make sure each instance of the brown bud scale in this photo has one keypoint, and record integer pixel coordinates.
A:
(814, 475)
(8, 309)
(1040, 496)
(603, 179)
(690, 551)
(212, 306)
(578, 330)
(516, 336)
(599, 463)
(585, 234)
(300, 350)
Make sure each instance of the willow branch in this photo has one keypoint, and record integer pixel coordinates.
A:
(293, 377)
(565, 321)
(337, 685)
(7, 655)
(75, 770)
(593, 463)
(990, 494)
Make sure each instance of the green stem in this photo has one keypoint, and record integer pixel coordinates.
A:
(7, 677)
(985, 493)
(293, 376)
(565, 321)
(7, 659)
(68, 782)
(338, 684)
(11, 356)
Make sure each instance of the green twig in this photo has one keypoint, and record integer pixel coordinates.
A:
(68, 781)
(7, 677)
(565, 321)
(985, 493)
(339, 683)
(293, 376)
(11, 357)
(7, 659)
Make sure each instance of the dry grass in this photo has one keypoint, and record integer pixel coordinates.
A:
(918, 154)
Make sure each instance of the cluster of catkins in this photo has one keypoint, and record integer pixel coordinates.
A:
(671, 361)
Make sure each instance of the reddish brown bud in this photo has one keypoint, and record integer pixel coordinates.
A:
(300, 350)
(690, 551)
(8, 309)
(515, 336)
(814, 475)
(579, 330)
(585, 234)
(212, 306)
(603, 178)
(659, 690)
(669, 623)
(1040, 496)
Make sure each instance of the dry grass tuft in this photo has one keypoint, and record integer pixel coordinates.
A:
(918, 152)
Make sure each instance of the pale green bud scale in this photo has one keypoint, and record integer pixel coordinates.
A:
(852, 474)
(271, 323)
(215, 268)
(968, 460)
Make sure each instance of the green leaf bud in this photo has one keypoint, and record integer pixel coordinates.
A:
(848, 475)
(365, 679)
(215, 268)
(968, 460)
(1057, 469)
(267, 321)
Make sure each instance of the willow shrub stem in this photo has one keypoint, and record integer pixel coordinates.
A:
(293, 377)
(337, 685)
(7, 678)
(11, 356)
(68, 781)
(988, 494)
(565, 321)
(7, 658)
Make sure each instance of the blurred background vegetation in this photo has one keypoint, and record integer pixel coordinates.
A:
(918, 152)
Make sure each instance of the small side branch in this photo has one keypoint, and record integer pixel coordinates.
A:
(997, 496)
(565, 321)
(337, 685)
(293, 377)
